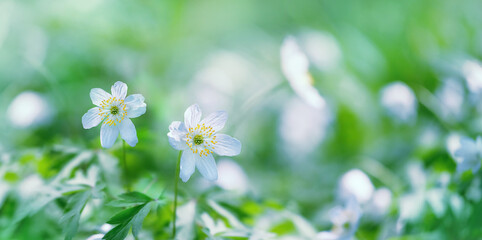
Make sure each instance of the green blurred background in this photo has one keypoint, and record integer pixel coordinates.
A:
(225, 55)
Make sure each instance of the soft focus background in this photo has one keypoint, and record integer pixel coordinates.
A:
(376, 118)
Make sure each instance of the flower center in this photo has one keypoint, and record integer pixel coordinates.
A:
(201, 139)
(198, 139)
(114, 110)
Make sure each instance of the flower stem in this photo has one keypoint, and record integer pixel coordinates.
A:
(178, 167)
(124, 162)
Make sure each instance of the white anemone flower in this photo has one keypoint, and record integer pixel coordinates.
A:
(199, 139)
(115, 112)
(295, 67)
(469, 154)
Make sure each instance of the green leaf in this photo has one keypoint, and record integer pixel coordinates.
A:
(129, 199)
(135, 197)
(124, 215)
(75, 205)
(117, 233)
(131, 217)
(139, 218)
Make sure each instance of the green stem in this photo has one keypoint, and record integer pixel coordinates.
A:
(178, 167)
(124, 162)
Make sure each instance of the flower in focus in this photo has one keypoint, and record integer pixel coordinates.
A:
(199, 140)
(345, 222)
(115, 112)
(295, 67)
(469, 154)
(400, 101)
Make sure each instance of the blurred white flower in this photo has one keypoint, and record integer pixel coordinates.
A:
(327, 235)
(231, 176)
(451, 97)
(322, 49)
(29, 109)
(469, 154)
(4, 188)
(115, 112)
(474, 192)
(199, 139)
(400, 101)
(106, 227)
(472, 70)
(303, 127)
(355, 183)
(186, 215)
(228, 77)
(214, 227)
(412, 204)
(30, 186)
(382, 199)
(453, 143)
(345, 222)
(96, 237)
(295, 67)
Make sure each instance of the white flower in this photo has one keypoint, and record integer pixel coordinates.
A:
(295, 67)
(400, 101)
(469, 154)
(199, 139)
(115, 112)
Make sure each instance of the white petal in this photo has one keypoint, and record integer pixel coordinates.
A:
(119, 90)
(108, 135)
(92, 118)
(135, 105)
(192, 116)
(216, 120)
(176, 135)
(188, 162)
(98, 95)
(207, 167)
(128, 132)
(227, 145)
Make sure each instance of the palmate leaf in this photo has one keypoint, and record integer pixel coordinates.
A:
(74, 208)
(139, 206)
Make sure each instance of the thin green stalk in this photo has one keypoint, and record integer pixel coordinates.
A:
(124, 162)
(178, 167)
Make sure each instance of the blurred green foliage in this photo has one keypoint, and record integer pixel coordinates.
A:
(226, 56)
